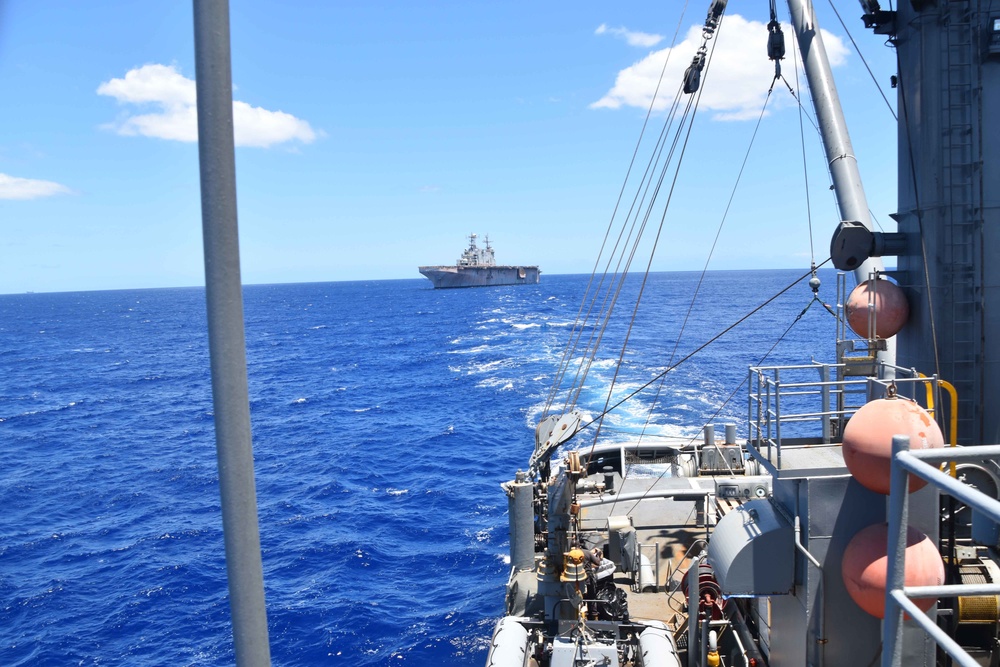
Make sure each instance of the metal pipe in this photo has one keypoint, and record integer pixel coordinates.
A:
(744, 638)
(656, 547)
(909, 460)
(224, 299)
(686, 494)
(824, 373)
(820, 603)
(836, 140)
(941, 455)
(520, 521)
(942, 638)
(693, 607)
(899, 492)
(798, 543)
(704, 640)
(951, 590)
(739, 644)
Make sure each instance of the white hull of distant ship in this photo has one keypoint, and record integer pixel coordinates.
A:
(765, 551)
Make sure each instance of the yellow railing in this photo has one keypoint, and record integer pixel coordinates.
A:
(953, 413)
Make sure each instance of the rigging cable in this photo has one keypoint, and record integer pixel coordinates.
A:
(617, 283)
(815, 298)
(705, 344)
(805, 173)
(920, 218)
(570, 347)
(712, 27)
(708, 260)
(860, 55)
(614, 289)
(776, 52)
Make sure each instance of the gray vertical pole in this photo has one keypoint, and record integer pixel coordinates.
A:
(824, 376)
(836, 140)
(899, 491)
(694, 609)
(224, 297)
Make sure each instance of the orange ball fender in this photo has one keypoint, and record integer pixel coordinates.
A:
(891, 308)
(867, 441)
(865, 567)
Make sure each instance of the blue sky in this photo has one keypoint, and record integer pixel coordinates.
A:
(374, 137)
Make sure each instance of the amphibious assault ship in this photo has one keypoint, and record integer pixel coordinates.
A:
(477, 267)
(802, 535)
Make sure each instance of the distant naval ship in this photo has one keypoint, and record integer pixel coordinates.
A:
(477, 267)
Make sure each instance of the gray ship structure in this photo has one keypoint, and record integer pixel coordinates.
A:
(477, 267)
(854, 491)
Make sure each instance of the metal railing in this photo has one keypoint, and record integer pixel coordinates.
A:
(924, 464)
(809, 405)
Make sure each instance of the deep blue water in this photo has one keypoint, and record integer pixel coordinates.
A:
(385, 416)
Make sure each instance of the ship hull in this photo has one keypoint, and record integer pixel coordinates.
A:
(446, 277)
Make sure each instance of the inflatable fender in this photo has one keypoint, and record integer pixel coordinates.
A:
(509, 644)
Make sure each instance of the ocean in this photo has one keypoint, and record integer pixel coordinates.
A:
(385, 416)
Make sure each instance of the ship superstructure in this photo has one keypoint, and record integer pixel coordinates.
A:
(784, 540)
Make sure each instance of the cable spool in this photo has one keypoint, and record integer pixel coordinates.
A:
(979, 609)
(709, 591)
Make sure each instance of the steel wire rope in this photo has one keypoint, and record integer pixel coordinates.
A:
(865, 62)
(621, 272)
(570, 346)
(708, 260)
(760, 361)
(805, 167)
(801, 109)
(702, 347)
(763, 358)
(920, 218)
(606, 309)
(613, 291)
(620, 361)
(582, 373)
(813, 266)
(701, 278)
(692, 102)
(578, 324)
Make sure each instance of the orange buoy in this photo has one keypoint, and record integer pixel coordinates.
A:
(867, 441)
(865, 567)
(889, 302)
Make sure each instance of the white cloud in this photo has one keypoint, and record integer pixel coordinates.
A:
(12, 187)
(176, 117)
(643, 39)
(736, 85)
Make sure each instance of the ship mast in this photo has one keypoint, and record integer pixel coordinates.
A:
(227, 346)
(843, 163)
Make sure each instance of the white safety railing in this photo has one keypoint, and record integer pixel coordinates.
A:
(923, 463)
